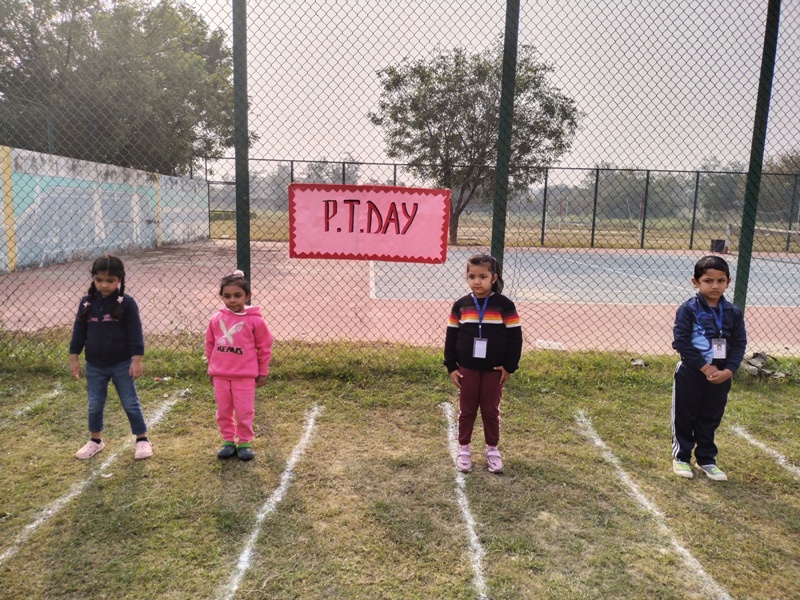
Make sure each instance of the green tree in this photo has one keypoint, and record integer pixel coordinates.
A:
(325, 171)
(721, 191)
(441, 116)
(625, 193)
(125, 82)
(620, 192)
(779, 198)
(268, 191)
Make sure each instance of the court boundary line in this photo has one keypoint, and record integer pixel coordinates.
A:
(21, 412)
(708, 584)
(475, 549)
(779, 458)
(271, 503)
(56, 505)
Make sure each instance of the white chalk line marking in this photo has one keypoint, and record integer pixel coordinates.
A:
(20, 412)
(709, 586)
(475, 548)
(779, 458)
(271, 503)
(54, 507)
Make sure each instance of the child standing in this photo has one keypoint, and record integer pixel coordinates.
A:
(710, 337)
(482, 348)
(108, 327)
(238, 348)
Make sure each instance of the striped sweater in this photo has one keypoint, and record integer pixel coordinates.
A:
(500, 326)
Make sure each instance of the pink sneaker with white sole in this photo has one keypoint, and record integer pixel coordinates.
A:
(144, 449)
(89, 450)
(494, 460)
(464, 459)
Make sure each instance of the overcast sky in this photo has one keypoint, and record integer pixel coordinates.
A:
(662, 84)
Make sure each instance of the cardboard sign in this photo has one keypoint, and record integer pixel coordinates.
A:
(368, 222)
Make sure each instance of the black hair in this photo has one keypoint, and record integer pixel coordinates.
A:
(490, 262)
(114, 266)
(711, 262)
(235, 278)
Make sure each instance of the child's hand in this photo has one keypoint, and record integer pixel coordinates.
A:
(136, 367)
(719, 376)
(455, 377)
(707, 370)
(261, 380)
(504, 375)
(74, 366)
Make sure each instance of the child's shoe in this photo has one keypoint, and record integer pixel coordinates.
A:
(144, 449)
(89, 450)
(494, 461)
(228, 449)
(464, 459)
(245, 451)
(714, 472)
(682, 469)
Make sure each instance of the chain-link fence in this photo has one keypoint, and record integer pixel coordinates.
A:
(633, 135)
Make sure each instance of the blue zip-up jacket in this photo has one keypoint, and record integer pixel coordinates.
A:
(695, 327)
(108, 341)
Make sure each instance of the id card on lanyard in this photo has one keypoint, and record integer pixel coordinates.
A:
(480, 344)
(718, 344)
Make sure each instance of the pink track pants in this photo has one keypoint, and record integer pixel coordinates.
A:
(235, 408)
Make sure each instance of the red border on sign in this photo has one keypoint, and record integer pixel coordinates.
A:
(443, 195)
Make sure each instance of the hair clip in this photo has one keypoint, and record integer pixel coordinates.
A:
(238, 273)
(120, 299)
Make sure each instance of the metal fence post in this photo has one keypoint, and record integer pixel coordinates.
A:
(240, 136)
(544, 204)
(757, 152)
(792, 209)
(694, 209)
(594, 205)
(644, 208)
(504, 131)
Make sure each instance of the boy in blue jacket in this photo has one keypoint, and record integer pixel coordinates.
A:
(709, 335)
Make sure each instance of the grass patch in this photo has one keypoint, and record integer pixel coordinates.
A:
(372, 510)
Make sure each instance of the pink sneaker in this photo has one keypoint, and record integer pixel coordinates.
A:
(144, 449)
(494, 461)
(464, 459)
(89, 450)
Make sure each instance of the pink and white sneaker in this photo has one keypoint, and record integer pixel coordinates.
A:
(89, 450)
(494, 461)
(144, 449)
(464, 459)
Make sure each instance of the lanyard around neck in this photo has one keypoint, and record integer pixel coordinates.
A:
(717, 316)
(481, 310)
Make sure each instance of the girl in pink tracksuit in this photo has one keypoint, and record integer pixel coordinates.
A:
(238, 348)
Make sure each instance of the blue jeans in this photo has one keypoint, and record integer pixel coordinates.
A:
(97, 379)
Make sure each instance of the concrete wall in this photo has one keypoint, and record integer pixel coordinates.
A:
(58, 209)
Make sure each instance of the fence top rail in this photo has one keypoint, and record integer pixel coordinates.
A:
(545, 167)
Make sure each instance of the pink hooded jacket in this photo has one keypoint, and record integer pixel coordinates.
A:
(238, 345)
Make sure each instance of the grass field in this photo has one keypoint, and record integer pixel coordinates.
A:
(371, 506)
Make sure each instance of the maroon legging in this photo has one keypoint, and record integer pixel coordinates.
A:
(479, 389)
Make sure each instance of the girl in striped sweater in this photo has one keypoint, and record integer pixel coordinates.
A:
(482, 348)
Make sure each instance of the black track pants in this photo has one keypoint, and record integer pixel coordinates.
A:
(697, 409)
